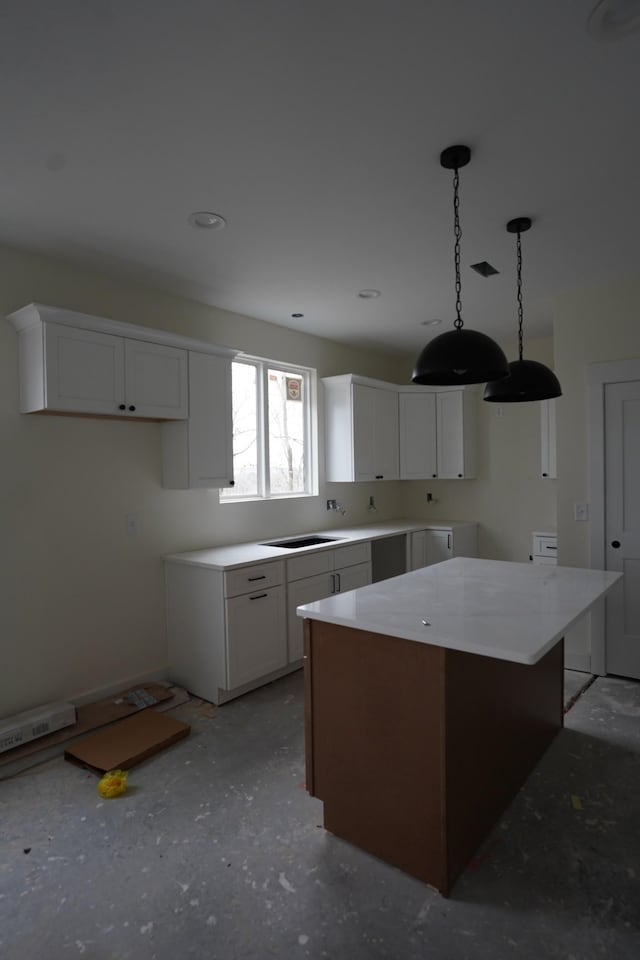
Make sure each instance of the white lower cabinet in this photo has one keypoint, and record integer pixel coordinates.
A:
(319, 575)
(256, 640)
(227, 631)
(434, 545)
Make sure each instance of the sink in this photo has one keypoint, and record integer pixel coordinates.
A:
(297, 542)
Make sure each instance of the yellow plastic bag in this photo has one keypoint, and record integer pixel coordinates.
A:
(113, 784)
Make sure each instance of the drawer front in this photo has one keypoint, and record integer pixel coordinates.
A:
(545, 547)
(310, 565)
(349, 556)
(257, 577)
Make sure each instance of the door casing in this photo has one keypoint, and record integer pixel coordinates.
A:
(598, 375)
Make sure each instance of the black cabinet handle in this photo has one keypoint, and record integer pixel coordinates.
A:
(132, 408)
(615, 544)
(259, 596)
(379, 476)
(252, 579)
(122, 406)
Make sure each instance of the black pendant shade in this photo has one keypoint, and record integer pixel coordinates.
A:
(459, 356)
(527, 380)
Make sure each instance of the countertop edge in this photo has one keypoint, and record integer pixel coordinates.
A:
(253, 552)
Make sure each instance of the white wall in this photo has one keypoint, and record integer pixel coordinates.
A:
(81, 603)
(591, 326)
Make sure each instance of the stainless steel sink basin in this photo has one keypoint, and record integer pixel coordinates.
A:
(298, 542)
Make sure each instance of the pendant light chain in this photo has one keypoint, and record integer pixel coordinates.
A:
(520, 312)
(457, 231)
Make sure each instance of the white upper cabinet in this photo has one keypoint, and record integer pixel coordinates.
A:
(74, 363)
(456, 434)
(418, 452)
(438, 429)
(199, 452)
(83, 373)
(156, 380)
(548, 438)
(361, 429)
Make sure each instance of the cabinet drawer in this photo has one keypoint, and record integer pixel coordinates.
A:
(349, 556)
(310, 565)
(254, 578)
(545, 547)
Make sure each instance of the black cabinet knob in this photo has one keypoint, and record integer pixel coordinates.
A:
(545, 474)
(379, 476)
(459, 474)
(122, 407)
(132, 408)
(615, 544)
(434, 475)
(232, 483)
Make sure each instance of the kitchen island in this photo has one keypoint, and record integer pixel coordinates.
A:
(430, 697)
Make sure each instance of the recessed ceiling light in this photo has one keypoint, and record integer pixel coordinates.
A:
(614, 19)
(368, 294)
(206, 220)
(296, 315)
(431, 323)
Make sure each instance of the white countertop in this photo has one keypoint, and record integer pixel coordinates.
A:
(241, 554)
(510, 611)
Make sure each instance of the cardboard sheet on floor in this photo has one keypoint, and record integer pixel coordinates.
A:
(124, 744)
(93, 715)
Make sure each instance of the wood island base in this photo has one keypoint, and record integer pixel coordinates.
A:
(416, 750)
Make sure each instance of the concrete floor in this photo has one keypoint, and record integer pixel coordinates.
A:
(217, 852)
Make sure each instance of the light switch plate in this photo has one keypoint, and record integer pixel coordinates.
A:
(581, 511)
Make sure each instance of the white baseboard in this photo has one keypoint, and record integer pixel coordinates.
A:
(100, 693)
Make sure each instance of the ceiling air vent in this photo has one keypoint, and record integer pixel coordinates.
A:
(484, 269)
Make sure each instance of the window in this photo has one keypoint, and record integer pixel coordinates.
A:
(272, 430)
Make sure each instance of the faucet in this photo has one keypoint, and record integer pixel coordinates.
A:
(336, 505)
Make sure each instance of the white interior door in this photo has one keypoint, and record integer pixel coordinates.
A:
(622, 525)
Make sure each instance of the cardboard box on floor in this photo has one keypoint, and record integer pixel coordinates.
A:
(124, 744)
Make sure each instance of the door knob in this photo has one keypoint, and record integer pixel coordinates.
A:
(615, 544)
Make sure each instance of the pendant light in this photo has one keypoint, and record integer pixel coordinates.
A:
(528, 379)
(459, 356)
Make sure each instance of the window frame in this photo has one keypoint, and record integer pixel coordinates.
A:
(308, 376)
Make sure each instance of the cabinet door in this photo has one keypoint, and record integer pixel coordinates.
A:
(417, 550)
(348, 578)
(210, 421)
(450, 440)
(417, 414)
(156, 380)
(256, 636)
(84, 370)
(299, 592)
(375, 433)
(548, 438)
(364, 431)
(439, 546)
